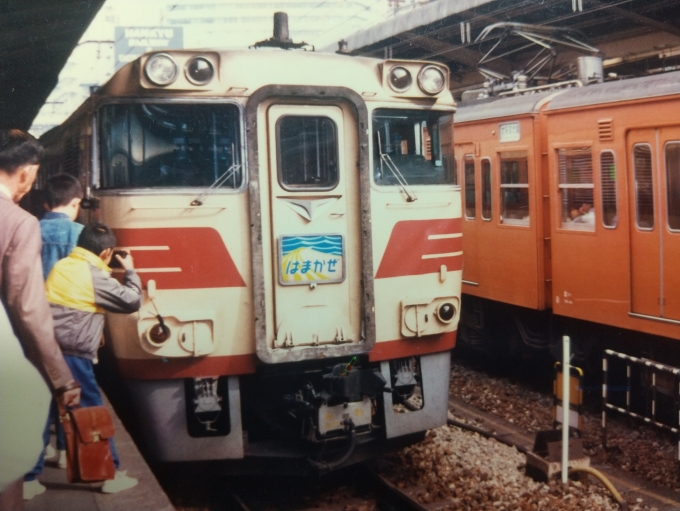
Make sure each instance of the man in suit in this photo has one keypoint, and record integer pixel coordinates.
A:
(22, 291)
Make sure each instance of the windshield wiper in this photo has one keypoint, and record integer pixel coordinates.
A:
(198, 201)
(387, 161)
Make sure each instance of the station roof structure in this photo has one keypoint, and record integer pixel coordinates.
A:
(635, 37)
(37, 36)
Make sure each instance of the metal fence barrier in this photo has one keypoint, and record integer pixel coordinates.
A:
(656, 381)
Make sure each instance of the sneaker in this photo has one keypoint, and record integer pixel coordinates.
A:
(62, 459)
(50, 452)
(121, 482)
(33, 488)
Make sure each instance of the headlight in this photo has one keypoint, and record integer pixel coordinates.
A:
(400, 79)
(161, 69)
(431, 80)
(199, 71)
(446, 312)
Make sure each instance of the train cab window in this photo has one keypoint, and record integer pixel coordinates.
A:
(575, 169)
(170, 146)
(409, 150)
(644, 187)
(608, 184)
(470, 196)
(486, 189)
(673, 184)
(308, 152)
(514, 188)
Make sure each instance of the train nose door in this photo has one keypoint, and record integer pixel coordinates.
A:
(314, 204)
(654, 188)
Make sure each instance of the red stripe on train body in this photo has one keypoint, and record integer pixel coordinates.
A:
(194, 257)
(410, 241)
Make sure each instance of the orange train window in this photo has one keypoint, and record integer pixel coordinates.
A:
(514, 188)
(470, 197)
(644, 186)
(575, 168)
(673, 184)
(486, 189)
(608, 183)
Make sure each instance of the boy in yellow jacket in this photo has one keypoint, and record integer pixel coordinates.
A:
(80, 289)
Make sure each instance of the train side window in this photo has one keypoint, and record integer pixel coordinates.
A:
(644, 186)
(608, 184)
(673, 184)
(486, 189)
(308, 152)
(470, 196)
(514, 188)
(575, 169)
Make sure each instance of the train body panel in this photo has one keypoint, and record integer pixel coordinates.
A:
(603, 181)
(296, 224)
(486, 239)
(632, 235)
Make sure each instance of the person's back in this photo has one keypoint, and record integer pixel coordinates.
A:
(22, 293)
(58, 227)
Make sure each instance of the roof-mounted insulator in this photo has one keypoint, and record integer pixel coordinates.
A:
(281, 38)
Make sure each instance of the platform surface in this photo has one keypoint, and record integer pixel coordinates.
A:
(62, 496)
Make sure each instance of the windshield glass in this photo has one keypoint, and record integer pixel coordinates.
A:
(419, 143)
(165, 146)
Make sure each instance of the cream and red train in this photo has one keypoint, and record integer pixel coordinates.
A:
(536, 266)
(297, 227)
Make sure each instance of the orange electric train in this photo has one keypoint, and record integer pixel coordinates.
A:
(571, 206)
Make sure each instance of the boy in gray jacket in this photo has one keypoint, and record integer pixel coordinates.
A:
(80, 289)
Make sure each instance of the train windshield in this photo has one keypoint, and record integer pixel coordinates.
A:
(170, 145)
(418, 143)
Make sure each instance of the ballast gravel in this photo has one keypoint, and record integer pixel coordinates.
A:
(463, 471)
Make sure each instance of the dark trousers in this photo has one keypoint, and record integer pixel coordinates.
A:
(83, 372)
(90, 395)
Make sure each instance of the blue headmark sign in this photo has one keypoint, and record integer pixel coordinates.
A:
(131, 42)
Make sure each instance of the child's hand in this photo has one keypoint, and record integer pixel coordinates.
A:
(126, 262)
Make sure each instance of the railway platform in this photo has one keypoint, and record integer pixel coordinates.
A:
(630, 486)
(62, 496)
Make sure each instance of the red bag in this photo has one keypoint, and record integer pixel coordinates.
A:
(88, 453)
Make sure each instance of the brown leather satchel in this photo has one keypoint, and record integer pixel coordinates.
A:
(88, 453)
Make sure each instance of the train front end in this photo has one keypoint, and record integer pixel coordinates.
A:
(295, 221)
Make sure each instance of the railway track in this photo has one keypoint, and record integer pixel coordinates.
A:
(371, 492)
(410, 480)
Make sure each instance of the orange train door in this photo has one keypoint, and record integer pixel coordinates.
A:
(654, 174)
(669, 178)
(470, 223)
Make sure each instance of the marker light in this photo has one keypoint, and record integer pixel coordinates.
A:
(199, 71)
(446, 312)
(400, 79)
(161, 69)
(431, 80)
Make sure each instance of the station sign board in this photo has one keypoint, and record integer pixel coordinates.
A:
(131, 42)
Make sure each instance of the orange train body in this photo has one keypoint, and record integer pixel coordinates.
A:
(577, 211)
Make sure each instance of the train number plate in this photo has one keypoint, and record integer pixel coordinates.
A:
(311, 259)
(331, 418)
(509, 132)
